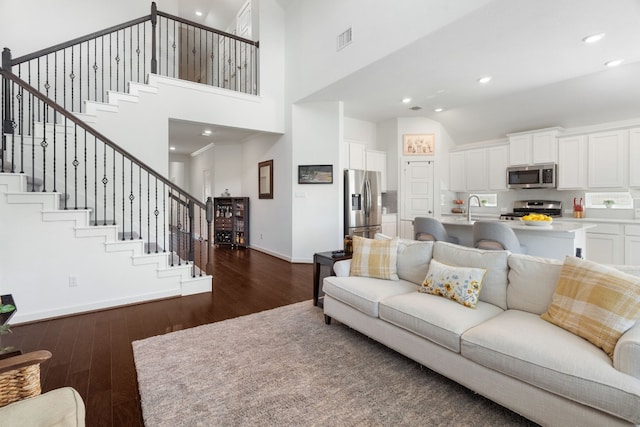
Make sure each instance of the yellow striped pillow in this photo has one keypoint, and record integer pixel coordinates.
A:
(595, 302)
(374, 258)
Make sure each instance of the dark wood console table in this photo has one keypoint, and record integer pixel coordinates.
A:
(320, 259)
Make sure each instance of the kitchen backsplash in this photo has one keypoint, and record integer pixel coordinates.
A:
(390, 201)
(506, 199)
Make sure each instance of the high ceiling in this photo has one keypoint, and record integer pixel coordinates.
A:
(543, 74)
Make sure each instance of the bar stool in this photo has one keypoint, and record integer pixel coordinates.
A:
(493, 235)
(430, 229)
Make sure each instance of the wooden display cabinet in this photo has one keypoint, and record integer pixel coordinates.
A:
(231, 221)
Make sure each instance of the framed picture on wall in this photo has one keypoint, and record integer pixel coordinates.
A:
(265, 179)
(315, 174)
(419, 144)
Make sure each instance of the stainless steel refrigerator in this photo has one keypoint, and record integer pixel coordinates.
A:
(362, 203)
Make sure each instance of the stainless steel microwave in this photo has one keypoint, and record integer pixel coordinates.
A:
(532, 176)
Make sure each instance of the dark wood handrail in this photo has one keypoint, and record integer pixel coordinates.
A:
(79, 40)
(70, 116)
(212, 30)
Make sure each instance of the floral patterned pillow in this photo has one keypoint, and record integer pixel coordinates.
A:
(460, 284)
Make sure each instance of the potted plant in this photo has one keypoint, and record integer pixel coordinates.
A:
(608, 203)
(6, 311)
(483, 202)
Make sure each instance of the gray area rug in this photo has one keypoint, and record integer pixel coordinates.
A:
(285, 367)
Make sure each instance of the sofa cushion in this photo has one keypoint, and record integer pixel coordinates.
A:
(413, 260)
(437, 319)
(364, 293)
(374, 258)
(523, 346)
(494, 286)
(532, 281)
(626, 356)
(62, 407)
(596, 302)
(459, 284)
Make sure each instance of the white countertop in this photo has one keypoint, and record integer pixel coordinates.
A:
(446, 216)
(555, 226)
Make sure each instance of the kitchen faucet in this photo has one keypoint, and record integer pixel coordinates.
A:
(469, 205)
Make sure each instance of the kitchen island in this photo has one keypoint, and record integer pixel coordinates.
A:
(555, 240)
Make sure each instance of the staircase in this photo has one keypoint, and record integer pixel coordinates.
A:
(85, 224)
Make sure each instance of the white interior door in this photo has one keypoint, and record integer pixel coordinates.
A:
(417, 189)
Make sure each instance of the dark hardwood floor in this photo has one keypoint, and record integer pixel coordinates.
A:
(92, 352)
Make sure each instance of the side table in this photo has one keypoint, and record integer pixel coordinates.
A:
(320, 259)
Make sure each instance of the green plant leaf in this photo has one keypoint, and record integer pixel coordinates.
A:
(6, 308)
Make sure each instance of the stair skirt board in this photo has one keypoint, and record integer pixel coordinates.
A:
(159, 263)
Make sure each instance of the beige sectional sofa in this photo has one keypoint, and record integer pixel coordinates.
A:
(501, 349)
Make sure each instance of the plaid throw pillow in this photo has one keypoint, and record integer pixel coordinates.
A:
(374, 258)
(595, 302)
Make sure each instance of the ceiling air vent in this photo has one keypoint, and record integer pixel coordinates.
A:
(415, 108)
(344, 39)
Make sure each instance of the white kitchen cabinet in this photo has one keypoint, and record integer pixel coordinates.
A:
(632, 245)
(634, 157)
(606, 160)
(534, 147)
(457, 172)
(476, 169)
(605, 244)
(356, 156)
(377, 161)
(520, 150)
(497, 162)
(572, 163)
(544, 147)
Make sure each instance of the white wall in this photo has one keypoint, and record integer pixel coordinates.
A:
(270, 223)
(62, 20)
(317, 209)
(360, 131)
(387, 133)
(312, 27)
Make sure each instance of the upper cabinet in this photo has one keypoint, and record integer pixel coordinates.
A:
(534, 147)
(634, 157)
(377, 161)
(457, 174)
(356, 156)
(479, 169)
(606, 160)
(498, 160)
(572, 163)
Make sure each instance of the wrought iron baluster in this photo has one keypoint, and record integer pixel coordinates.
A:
(105, 181)
(72, 77)
(102, 68)
(95, 69)
(174, 49)
(44, 144)
(171, 232)
(124, 223)
(80, 77)
(149, 212)
(95, 179)
(138, 52)
(156, 213)
(33, 143)
(131, 197)
(85, 171)
(117, 60)
(66, 133)
(140, 200)
(164, 218)
(38, 80)
(114, 187)
(75, 164)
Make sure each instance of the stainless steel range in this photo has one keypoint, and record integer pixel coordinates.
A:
(523, 207)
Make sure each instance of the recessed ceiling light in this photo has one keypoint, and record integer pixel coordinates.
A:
(172, 148)
(593, 38)
(206, 132)
(438, 110)
(198, 13)
(484, 80)
(406, 100)
(614, 63)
